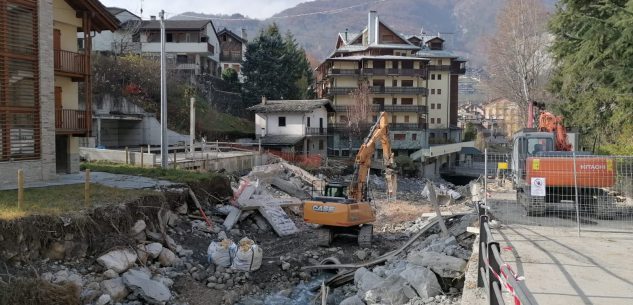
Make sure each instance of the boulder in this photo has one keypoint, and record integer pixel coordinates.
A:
(153, 249)
(354, 300)
(115, 288)
(444, 265)
(154, 292)
(104, 299)
(167, 258)
(393, 290)
(423, 280)
(138, 227)
(361, 254)
(110, 274)
(118, 260)
(366, 280)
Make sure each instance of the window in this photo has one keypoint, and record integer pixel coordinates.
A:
(394, 101)
(393, 119)
(282, 121)
(432, 106)
(407, 64)
(224, 37)
(406, 119)
(378, 101)
(439, 91)
(433, 76)
(432, 135)
(406, 101)
(406, 83)
(432, 91)
(399, 136)
(181, 59)
(432, 120)
(414, 137)
(439, 106)
(80, 43)
(321, 145)
(343, 119)
(308, 122)
(439, 77)
(394, 83)
(169, 37)
(439, 62)
(439, 120)
(378, 83)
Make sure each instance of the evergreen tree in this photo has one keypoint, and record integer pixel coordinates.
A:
(593, 52)
(275, 67)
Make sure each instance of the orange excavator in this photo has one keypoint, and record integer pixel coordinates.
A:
(544, 155)
(346, 209)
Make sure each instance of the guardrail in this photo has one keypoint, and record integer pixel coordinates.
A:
(493, 273)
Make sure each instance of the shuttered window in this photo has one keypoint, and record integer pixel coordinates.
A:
(19, 86)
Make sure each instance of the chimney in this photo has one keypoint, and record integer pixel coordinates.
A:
(264, 100)
(372, 28)
(152, 17)
(346, 35)
(244, 34)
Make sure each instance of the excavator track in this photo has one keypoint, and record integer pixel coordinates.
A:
(324, 237)
(365, 235)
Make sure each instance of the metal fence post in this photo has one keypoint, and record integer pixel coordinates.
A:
(20, 189)
(495, 268)
(483, 242)
(576, 191)
(486, 178)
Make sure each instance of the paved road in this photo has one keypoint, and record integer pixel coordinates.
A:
(107, 179)
(559, 266)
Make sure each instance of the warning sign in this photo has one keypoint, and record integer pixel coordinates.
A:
(538, 187)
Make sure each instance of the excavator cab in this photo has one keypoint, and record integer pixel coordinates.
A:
(336, 190)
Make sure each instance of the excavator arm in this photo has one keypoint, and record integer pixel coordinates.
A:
(378, 132)
(549, 122)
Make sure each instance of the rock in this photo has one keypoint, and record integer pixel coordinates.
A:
(115, 288)
(235, 232)
(185, 253)
(140, 237)
(165, 280)
(166, 257)
(361, 254)
(142, 254)
(354, 300)
(285, 265)
(138, 227)
(366, 280)
(153, 249)
(444, 265)
(118, 260)
(90, 295)
(56, 251)
(199, 275)
(394, 290)
(423, 280)
(104, 299)
(231, 297)
(151, 291)
(110, 274)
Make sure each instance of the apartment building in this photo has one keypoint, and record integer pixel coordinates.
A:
(412, 78)
(43, 112)
(502, 116)
(124, 40)
(191, 45)
(232, 50)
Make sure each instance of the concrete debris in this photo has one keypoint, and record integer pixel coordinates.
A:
(422, 280)
(444, 265)
(154, 249)
(138, 227)
(104, 299)
(151, 291)
(393, 290)
(115, 288)
(353, 300)
(167, 257)
(118, 260)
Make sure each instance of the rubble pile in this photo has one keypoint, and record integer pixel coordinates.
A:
(415, 190)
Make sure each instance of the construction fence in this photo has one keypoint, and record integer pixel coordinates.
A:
(578, 191)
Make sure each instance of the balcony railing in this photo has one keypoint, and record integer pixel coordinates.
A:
(439, 67)
(398, 90)
(400, 108)
(391, 71)
(316, 131)
(70, 62)
(343, 71)
(458, 70)
(231, 57)
(340, 90)
(407, 126)
(340, 127)
(72, 121)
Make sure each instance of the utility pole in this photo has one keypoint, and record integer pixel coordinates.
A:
(163, 96)
(192, 126)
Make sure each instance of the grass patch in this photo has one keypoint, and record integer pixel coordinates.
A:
(60, 199)
(174, 175)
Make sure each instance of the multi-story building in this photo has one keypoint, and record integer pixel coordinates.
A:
(124, 40)
(503, 117)
(413, 79)
(232, 50)
(191, 45)
(43, 112)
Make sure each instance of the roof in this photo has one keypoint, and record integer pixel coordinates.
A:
(229, 32)
(387, 57)
(115, 10)
(350, 36)
(175, 24)
(102, 19)
(470, 151)
(280, 140)
(292, 106)
(436, 53)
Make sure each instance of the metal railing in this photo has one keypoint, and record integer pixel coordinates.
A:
(398, 90)
(343, 71)
(231, 56)
(316, 131)
(388, 108)
(72, 121)
(493, 273)
(70, 62)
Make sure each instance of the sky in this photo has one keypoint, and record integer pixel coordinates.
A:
(259, 9)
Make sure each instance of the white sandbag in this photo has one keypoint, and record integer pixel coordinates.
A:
(248, 257)
(221, 253)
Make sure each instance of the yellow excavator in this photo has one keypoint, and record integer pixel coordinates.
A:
(346, 209)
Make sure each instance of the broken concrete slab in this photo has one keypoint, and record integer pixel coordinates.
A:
(393, 290)
(289, 188)
(254, 204)
(444, 265)
(423, 280)
(151, 291)
(232, 218)
(115, 288)
(261, 222)
(366, 280)
(118, 260)
(279, 220)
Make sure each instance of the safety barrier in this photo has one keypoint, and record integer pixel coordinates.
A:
(494, 274)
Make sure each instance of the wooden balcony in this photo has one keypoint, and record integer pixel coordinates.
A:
(316, 131)
(74, 122)
(69, 63)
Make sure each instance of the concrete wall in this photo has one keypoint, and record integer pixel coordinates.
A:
(44, 167)
(117, 156)
(443, 98)
(121, 133)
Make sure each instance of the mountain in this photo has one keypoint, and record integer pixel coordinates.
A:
(461, 22)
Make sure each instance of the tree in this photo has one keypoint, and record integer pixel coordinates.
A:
(275, 67)
(123, 38)
(470, 132)
(593, 68)
(358, 113)
(517, 58)
(230, 76)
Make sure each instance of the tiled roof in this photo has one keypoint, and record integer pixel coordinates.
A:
(225, 30)
(291, 106)
(175, 24)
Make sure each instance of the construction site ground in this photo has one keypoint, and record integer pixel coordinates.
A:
(559, 266)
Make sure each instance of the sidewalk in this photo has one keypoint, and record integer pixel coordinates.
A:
(107, 179)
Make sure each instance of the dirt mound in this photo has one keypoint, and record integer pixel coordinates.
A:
(38, 292)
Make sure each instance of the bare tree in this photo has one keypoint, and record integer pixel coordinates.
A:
(359, 112)
(124, 38)
(517, 57)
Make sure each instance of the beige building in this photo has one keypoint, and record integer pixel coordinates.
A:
(412, 78)
(502, 116)
(45, 101)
